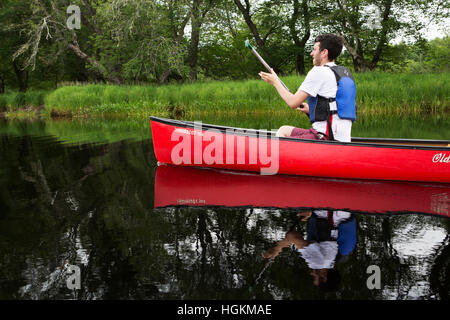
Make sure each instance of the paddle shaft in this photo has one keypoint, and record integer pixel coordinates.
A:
(267, 66)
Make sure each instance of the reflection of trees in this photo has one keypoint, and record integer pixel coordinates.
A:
(92, 205)
(390, 242)
(219, 253)
(378, 244)
(440, 271)
(50, 197)
(212, 251)
(395, 271)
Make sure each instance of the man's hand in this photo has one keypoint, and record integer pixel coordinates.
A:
(305, 215)
(292, 100)
(270, 253)
(304, 108)
(270, 78)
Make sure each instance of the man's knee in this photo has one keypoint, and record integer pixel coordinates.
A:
(284, 131)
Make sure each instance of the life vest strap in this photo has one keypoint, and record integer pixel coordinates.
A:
(330, 128)
(327, 99)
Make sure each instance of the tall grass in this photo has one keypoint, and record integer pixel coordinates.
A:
(377, 94)
(404, 93)
(19, 100)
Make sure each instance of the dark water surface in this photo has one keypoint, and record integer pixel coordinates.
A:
(90, 194)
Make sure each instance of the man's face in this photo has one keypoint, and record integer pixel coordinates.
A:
(318, 55)
(319, 276)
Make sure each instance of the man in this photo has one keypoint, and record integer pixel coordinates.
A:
(330, 120)
(331, 238)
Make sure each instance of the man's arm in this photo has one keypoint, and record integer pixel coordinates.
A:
(294, 101)
(291, 237)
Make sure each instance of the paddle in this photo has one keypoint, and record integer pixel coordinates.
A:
(248, 45)
(251, 288)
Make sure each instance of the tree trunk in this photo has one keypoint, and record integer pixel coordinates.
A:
(248, 20)
(163, 78)
(359, 63)
(22, 77)
(300, 62)
(2, 86)
(95, 63)
(260, 42)
(177, 30)
(300, 43)
(383, 36)
(355, 48)
(195, 38)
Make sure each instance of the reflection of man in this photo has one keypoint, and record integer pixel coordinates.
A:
(331, 237)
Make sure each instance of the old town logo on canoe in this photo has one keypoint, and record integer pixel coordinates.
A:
(441, 157)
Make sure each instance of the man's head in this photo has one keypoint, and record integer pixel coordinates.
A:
(327, 47)
(328, 280)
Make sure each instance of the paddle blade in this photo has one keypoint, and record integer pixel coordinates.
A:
(248, 45)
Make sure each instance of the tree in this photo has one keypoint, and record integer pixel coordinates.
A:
(270, 23)
(49, 20)
(200, 9)
(13, 15)
(222, 54)
(300, 15)
(146, 37)
(438, 55)
(178, 14)
(367, 26)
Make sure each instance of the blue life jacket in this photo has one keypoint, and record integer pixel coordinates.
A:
(347, 236)
(321, 108)
(320, 230)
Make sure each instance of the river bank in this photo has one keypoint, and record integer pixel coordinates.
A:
(378, 94)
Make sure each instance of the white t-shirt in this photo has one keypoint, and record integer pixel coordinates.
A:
(320, 255)
(321, 81)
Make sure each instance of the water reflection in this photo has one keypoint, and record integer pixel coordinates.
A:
(138, 231)
(331, 238)
(176, 185)
(405, 247)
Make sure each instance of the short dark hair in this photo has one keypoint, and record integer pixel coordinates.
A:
(332, 42)
(333, 281)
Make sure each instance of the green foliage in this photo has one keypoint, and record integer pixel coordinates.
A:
(377, 94)
(147, 41)
(422, 57)
(19, 100)
(137, 43)
(3, 103)
(438, 55)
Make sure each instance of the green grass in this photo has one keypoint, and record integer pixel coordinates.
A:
(378, 94)
(15, 101)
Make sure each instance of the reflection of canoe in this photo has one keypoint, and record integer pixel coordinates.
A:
(186, 143)
(183, 186)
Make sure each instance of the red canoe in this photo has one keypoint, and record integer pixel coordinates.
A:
(203, 145)
(183, 186)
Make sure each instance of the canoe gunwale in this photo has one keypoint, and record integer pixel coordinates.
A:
(377, 142)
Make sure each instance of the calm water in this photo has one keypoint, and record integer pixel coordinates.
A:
(90, 194)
